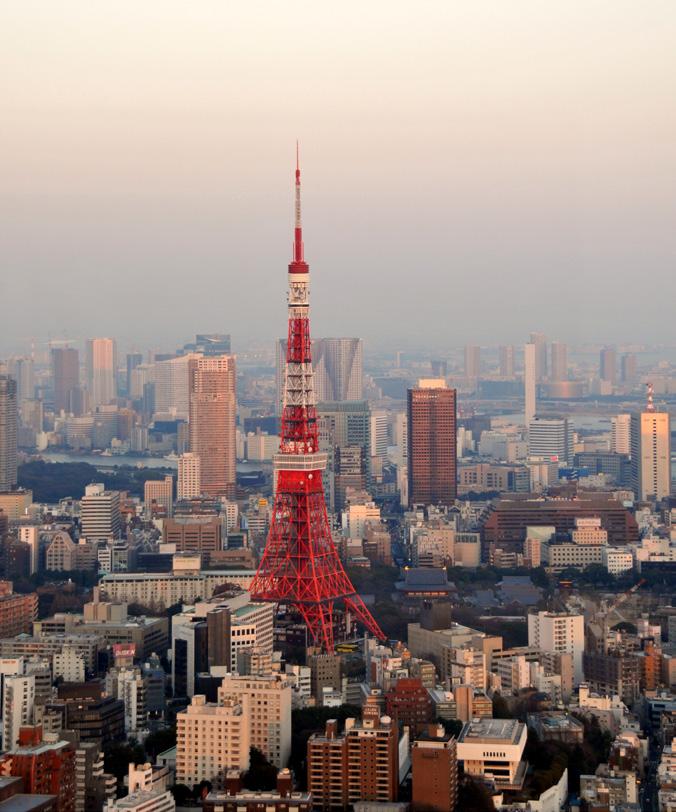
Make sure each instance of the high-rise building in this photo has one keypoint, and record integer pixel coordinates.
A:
(134, 360)
(434, 769)
(269, 712)
(472, 361)
(212, 739)
(620, 434)
(551, 437)
(189, 476)
(432, 458)
(212, 422)
(345, 435)
(628, 368)
(101, 370)
(300, 566)
(100, 513)
(23, 371)
(558, 632)
(8, 431)
(159, 492)
(338, 367)
(608, 365)
(530, 382)
(360, 765)
(379, 433)
(18, 698)
(540, 342)
(651, 453)
(559, 368)
(506, 359)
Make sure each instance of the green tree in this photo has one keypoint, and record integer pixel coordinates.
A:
(261, 775)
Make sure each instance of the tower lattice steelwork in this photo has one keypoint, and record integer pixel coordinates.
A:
(300, 566)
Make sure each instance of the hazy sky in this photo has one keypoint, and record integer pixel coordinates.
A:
(472, 170)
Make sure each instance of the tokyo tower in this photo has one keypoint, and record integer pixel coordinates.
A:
(300, 566)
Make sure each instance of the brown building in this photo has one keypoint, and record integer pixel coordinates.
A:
(66, 371)
(432, 457)
(410, 705)
(325, 673)
(46, 768)
(196, 533)
(613, 673)
(508, 518)
(434, 767)
(212, 422)
(362, 764)
(237, 799)
(17, 612)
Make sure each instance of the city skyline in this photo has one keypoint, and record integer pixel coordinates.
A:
(176, 183)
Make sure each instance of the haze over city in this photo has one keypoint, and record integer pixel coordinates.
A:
(471, 171)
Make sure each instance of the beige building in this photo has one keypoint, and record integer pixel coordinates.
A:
(651, 455)
(101, 370)
(589, 531)
(493, 749)
(189, 477)
(269, 701)
(212, 739)
(159, 492)
(14, 504)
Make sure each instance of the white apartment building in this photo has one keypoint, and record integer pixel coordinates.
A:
(17, 707)
(100, 513)
(620, 434)
(212, 739)
(558, 632)
(269, 701)
(189, 476)
(618, 560)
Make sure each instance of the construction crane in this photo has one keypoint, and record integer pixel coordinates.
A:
(607, 609)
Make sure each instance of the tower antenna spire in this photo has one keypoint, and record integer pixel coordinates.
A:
(298, 250)
(650, 406)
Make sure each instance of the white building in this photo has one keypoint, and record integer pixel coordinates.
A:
(269, 701)
(379, 433)
(17, 707)
(212, 739)
(617, 560)
(551, 437)
(355, 518)
(589, 531)
(558, 632)
(69, 664)
(189, 476)
(493, 749)
(145, 794)
(620, 434)
(100, 513)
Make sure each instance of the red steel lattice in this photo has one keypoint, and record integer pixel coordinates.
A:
(300, 566)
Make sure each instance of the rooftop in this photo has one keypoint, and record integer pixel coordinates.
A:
(505, 731)
(24, 803)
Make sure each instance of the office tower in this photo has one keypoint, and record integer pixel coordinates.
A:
(212, 739)
(269, 712)
(171, 380)
(337, 364)
(159, 492)
(194, 533)
(17, 707)
(608, 365)
(551, 437)
(300, 565)
(540, 342)
(379, 433)
(212, 422)
(30, 535)
(100, 513)
(651, 453)
(434, 769)
(620, 434)
(559, 370)
(506, 357)
(23, 372)
(628, 368)
(558, 632)
(189, 476)
(101, 371)
(8, 431)
(472, 361)
(432, 460)
(345, 435)
(208, 344)
(439, 367)
(134, 359)
(529, 382)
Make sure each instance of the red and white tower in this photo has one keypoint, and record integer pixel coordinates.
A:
(300, 566)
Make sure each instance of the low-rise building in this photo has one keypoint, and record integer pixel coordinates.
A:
(492, 749)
